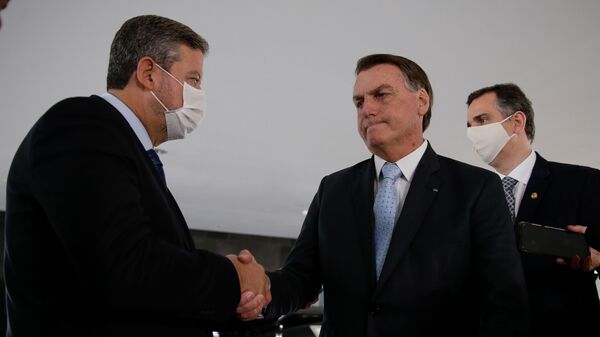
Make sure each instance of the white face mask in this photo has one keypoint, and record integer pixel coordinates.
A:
(488, 140)
(185, 119)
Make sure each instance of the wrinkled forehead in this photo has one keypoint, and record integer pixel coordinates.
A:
(376, 77)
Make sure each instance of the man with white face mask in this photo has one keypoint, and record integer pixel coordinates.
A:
(96, 245)
(562, 295)
(184, 119)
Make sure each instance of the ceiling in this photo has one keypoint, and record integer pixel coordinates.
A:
(279, 79)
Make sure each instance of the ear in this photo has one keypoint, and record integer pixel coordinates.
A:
(145, 73)
(423, 101)
(519, 120)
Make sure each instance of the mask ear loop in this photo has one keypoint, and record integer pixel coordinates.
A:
(168, 73)
(507, 118)
(158, 100)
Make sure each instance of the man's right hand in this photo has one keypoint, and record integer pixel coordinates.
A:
(254, 284)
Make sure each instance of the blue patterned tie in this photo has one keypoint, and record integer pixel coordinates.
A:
(508, 184)
(157, 164)
(384, 208)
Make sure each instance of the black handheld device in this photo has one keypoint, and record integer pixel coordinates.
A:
(540, 239)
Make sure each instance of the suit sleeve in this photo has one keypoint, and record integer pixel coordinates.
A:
(84, 178)
(299, 281)
(590, 209)
(497, 263)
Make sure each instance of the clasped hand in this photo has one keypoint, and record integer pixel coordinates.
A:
(254, 284)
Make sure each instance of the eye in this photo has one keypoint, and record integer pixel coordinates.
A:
(381, 95)
(194, 81)
(358, 103)
(481, 120)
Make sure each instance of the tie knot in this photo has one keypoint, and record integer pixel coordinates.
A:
(391, 171)
(154, 157)
(158, 166)
(509, 183)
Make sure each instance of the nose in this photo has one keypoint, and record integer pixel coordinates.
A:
(369, 107)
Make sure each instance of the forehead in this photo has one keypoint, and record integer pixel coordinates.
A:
(376, 76)
(484, 104)
(190, 59)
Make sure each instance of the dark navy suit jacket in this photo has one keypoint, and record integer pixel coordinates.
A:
(452, 268)
(562, 301)
(95, 243)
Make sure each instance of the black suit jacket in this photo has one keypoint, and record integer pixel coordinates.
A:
(592, 236)
(452, 268)
(562, 301)
(95, 243)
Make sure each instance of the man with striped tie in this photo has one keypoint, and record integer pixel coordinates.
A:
(562, 295)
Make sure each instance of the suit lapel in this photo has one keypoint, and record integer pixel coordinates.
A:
(535, 190)
(421, 194)
(363, 217)
(184, 232)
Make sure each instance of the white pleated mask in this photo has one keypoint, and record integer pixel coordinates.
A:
(488, 140)
(185, 119)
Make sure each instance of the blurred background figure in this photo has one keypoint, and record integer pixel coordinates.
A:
(3, 4)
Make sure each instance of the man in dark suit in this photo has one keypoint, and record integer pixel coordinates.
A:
(562, 295)
(95, 242)
(451, 268)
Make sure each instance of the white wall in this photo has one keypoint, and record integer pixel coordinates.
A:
(279, 79)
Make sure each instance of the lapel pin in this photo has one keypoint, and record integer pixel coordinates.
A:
(534, 195)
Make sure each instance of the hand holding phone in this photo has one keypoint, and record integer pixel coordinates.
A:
(559, 242)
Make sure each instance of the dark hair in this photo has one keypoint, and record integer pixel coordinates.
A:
(148, 35)
(509, 99)
(414, 77)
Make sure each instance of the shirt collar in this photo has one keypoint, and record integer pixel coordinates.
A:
(407, 164)
(132, 119)
(522, 172)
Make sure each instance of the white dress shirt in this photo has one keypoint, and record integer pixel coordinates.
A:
(132, 119)
(521, 173)
(408, 166)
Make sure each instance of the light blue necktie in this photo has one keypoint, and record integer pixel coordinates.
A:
(384, 208)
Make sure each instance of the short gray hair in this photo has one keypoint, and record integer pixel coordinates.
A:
(148, 35)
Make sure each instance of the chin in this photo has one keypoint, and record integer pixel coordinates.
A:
(374, 142)
(375, 135)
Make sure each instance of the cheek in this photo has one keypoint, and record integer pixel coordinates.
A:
(177, 96)
(173, 96)
(359, 125)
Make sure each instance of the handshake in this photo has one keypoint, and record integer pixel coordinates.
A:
(254, 284)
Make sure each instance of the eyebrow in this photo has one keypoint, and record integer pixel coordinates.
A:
(194, 73)
(478, 117)
(370, 92)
